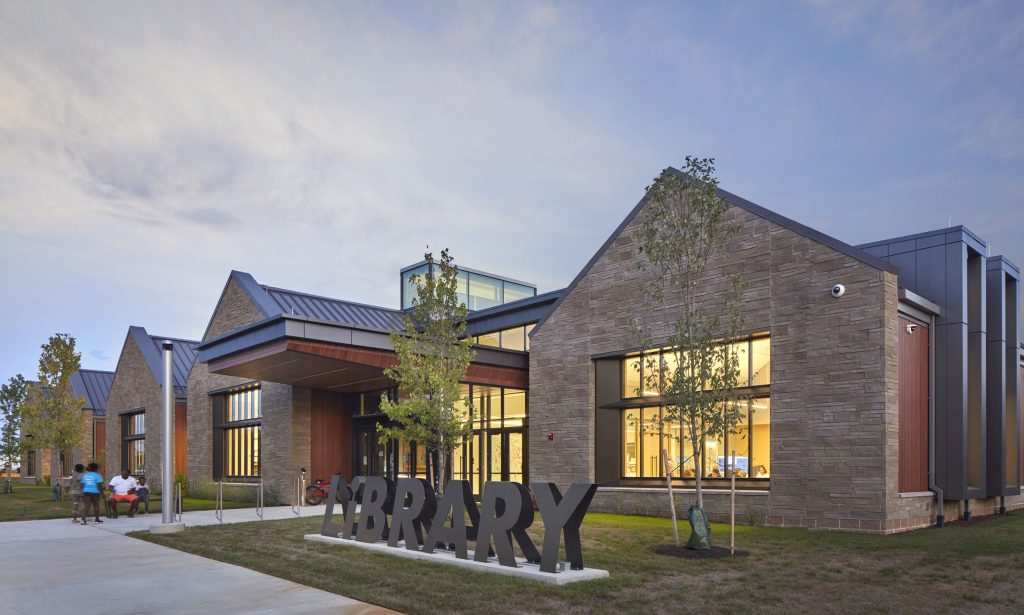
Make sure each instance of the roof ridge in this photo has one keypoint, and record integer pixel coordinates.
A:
(172, 339)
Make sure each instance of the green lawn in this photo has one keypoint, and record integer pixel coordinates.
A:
(30, 502)
(979, 569)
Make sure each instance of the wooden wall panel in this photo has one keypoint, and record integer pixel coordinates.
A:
(180, 438)
(99, 443)
(330, 436)
(913, 452)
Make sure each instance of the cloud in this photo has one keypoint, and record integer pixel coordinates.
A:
(147, 150)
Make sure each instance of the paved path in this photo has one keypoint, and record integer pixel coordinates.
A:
(140, 522)
(58, 567)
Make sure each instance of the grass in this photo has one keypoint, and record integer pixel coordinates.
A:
(977, 568)
(31, 502)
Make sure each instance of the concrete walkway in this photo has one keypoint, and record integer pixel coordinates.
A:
(59, 567)
(140, 522)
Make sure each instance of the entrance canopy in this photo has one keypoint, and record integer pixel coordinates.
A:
(304, 351)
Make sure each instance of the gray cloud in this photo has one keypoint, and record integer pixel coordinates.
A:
(145, 151)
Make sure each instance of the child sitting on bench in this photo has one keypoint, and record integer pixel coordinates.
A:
(143, 492)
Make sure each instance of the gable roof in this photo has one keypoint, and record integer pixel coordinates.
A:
(94, 386)
(183, 356)
(744, 204)
(272, 301)
(335, 310)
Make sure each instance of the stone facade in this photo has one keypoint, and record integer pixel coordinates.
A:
(833, 375)
(285, 439)
(134, 388)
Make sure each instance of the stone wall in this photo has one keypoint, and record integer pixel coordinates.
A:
(134, 388)
(833, 371)
(285, 437)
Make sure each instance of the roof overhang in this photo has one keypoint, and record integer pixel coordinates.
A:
(302, 351)
(916, 301)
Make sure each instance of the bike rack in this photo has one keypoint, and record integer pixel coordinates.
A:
(219, 506)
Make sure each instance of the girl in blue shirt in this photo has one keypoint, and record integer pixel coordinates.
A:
(92, 488)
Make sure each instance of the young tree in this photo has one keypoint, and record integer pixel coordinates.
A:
(53, 414)
(433, 358)
(684, 227)
(12, 396)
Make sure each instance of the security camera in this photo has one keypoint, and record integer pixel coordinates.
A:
(838, 290)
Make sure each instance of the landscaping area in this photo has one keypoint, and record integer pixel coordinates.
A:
(978, 567)
(30, 502)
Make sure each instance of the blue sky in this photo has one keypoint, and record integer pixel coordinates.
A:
(147, 151)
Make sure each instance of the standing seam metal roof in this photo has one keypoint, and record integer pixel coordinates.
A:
(335, 310)
(94, 386)
(183, 356)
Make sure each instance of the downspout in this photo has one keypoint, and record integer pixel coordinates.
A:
(940, 500)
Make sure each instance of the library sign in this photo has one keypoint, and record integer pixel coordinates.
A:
(409, 512)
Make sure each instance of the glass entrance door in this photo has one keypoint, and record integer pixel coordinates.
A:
(505, 455)
(368, 456)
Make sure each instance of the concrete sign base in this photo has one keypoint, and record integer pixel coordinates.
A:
(524, 570)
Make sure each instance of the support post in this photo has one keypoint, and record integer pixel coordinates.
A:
(671, 496)
(167, 454)
(732, 505)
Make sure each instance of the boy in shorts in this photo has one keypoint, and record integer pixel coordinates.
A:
(76, 491)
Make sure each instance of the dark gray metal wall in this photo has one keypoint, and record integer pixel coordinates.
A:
(948, 267)
(1002, 282)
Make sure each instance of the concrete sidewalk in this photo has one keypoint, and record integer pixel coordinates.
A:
(140, 522)
(58, 567)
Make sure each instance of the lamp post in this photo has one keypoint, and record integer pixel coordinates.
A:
(167, 454)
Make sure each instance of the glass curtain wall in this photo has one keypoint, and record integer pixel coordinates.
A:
(476, 290)
(496, 449)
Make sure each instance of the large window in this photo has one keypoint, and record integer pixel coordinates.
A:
(239, 430)
(647, 435)
(133, 442)
(477, 291)
(496, 450)
(753, 356)
(513, 338)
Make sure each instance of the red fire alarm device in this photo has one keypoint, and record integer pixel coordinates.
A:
(551, 436)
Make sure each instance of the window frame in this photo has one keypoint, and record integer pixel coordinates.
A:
(129, 439)
(629, 402)
(223, 429)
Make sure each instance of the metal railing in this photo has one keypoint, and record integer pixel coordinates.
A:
(219, 507)
(176, 517)
(297, 506)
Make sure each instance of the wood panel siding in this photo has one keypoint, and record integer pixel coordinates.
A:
(330, 436)
(99, 442)
(180, 438)
(913, 400)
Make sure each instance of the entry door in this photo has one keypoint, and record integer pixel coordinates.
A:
(506, 455)
(369, 458)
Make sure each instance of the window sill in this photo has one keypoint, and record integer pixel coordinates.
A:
(917, 494)
(683, 490)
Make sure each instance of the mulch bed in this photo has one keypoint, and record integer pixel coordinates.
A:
(683, 552)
